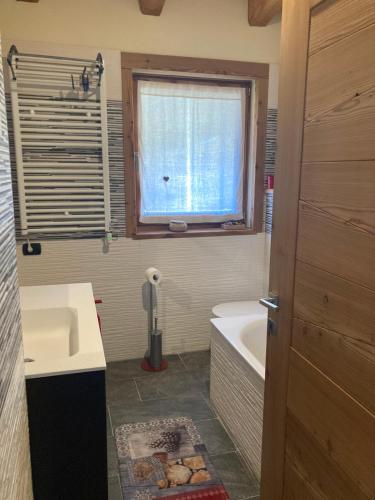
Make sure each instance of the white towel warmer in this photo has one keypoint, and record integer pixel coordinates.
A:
(59, 115)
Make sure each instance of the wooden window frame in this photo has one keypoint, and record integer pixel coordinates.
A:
(134, 67)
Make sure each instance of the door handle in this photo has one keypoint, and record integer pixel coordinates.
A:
(272, 303)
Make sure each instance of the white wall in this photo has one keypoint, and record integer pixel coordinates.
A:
(198, 28)
(199, 272)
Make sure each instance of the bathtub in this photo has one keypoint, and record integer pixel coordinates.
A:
(238, 354)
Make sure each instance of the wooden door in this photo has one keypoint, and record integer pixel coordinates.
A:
(319, 417)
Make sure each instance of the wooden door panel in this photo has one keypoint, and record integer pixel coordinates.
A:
(319, 409)
(342, 359)
(296, 488)
(290, 133)
(343, 189)
(316, 468)
(331, 245)
(342, 427)
(333, 303)
(343, 134)
(332, 21)
(348, 67)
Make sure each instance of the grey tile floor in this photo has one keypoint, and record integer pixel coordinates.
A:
(134, 395)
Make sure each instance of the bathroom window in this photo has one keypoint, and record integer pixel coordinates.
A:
(191, 150)
(193, 144)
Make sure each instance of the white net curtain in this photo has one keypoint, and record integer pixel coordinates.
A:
(191, 151)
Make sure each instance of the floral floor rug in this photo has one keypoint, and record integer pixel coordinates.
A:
(165, 458)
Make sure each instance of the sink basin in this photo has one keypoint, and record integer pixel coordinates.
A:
(49, 333)
(60, 330)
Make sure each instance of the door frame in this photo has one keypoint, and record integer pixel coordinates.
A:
(295, 33)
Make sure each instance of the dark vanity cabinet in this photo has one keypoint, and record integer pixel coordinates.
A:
(68, 441)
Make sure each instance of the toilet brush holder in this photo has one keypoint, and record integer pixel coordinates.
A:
(147, 366)
(153, 360)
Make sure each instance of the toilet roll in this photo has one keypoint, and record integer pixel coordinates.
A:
(153, 275)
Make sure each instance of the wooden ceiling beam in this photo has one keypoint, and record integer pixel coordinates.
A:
(262, 11)
(151, 7)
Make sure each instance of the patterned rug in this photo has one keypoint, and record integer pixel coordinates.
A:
(165, 458)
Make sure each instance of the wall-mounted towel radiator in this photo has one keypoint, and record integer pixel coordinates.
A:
(59, 114)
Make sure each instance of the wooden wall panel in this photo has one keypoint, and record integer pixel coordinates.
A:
(344, 189)
(331, 21)
(342, 427)
(343, 134)
(331, 392)
(348, 362)
(336, 247)
(151, 7)
(348, 68)
(334, 303)
(261, 13)
(295, 33)
(317, 469)
(296, 487)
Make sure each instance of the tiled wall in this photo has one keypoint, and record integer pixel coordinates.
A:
(15, 473)
(199, 272)
(237, 392)
(269, 167)
(116, 171)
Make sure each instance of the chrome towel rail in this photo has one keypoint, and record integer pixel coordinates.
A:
(59, 112)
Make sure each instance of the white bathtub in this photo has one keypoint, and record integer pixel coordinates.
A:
(248, 335)
(238, 354)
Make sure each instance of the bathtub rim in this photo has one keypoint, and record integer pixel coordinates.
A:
(230, 327)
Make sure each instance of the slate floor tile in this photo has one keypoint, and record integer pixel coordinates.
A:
(202, 376)
(108, 420)
(121, 390)
(239, 483)
(131, 368)
(182, 390)
(196, 360)
(112, 463)
(214, 436)
(165, 385)
(195, 408)
(114, 488)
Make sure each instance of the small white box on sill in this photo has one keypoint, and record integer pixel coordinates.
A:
(178, 226)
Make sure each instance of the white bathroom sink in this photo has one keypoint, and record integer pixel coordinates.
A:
(49, 333)
(60, 330)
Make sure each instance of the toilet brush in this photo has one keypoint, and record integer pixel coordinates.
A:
(153, 360)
